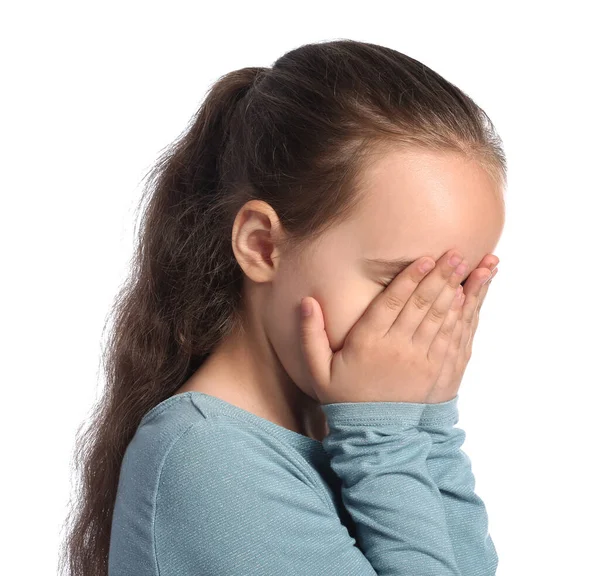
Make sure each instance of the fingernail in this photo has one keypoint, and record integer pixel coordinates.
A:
(490, 278)
(455, 260)
(462, 268)
(306, 308)
(427, 265)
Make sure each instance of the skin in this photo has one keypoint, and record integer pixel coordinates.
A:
(416, 203)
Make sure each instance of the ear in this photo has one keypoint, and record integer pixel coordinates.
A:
(255, 239)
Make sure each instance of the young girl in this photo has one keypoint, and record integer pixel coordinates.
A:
(239, 436)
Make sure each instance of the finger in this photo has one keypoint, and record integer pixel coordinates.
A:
(454, 348)
(435, 317)
(489, 261)
(385, 307)
(472, 288)
(482, 294)
(452, 358)
(442, 279)
(472, 295)
(314, 344)
(447, 335)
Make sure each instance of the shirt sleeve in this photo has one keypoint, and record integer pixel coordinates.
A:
(450, 468)
(239, 502)
(380, 454)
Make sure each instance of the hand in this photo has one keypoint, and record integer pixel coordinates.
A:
(460, 348)
(395, 351)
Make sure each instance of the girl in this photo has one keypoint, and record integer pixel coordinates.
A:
(238, 436)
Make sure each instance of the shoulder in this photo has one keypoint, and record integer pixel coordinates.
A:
(201, 435)
(183, 437)
(231, 455)
(228, 493)
(226, 486)
(199, 485)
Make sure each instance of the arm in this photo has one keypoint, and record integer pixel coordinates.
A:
(450, 468)
(231, 503)
(380, 455)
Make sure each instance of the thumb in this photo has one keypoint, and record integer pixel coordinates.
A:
(315, 345)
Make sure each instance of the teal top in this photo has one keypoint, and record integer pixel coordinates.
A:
(209, 489)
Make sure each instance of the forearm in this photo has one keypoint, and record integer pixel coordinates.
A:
(450, 469)
(380, 455)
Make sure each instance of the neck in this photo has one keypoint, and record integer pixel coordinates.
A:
(245, 371)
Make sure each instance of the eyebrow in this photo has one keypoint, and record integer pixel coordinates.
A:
(393, 267)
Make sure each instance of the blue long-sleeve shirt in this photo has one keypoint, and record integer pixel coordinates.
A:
(209, 489)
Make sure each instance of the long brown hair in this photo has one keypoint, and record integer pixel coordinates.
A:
(296, 135)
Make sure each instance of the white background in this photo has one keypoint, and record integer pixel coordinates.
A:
(92, 92)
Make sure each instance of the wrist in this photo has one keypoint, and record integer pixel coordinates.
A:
(440, 413)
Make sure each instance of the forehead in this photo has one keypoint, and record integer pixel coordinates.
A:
(418, 203)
